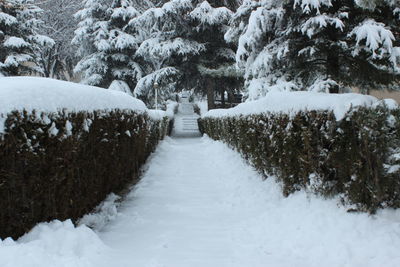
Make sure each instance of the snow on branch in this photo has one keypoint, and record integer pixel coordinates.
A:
(313, 24)
(378, 39)
(308, 5)
(261, 21)
(16, 42)
(121, 40)
(125, 12)
(208, 15)
(156, 49)
(163, 77)
(7, 19)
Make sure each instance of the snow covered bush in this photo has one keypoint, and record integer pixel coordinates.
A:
(323, 45)
(62, 165)
(356, 157)
(20, 41)
(65, 146)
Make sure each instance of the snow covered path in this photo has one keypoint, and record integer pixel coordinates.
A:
(200, 205)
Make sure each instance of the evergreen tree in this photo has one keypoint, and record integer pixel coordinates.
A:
(123, 46)
(20, 43)
(183, 48)
(165, 47)
(319, 45)
(91, 37)
(108, 51)
(215, 67)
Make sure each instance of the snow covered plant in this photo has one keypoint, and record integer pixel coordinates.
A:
(184, 40)
(20, 41)
(164, 47)
(106, 48)
(335, 43)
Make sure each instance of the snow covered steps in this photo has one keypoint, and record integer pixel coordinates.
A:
(185, 122)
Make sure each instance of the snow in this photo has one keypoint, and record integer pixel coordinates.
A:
(7, 19)
(103, 213)
(200, 204)
(308, 5)
(375, 35)
(158, 49)
(16, 42)
(294, 102)
(186, 120)
(206, 14)
(120, 86)
(52, 244)
(17, 93)
(212, 209)
(315, 24)
(48, 95)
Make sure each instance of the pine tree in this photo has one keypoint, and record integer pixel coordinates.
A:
(257, 28)
(319, 45)
(20, 43)
(183, 48)
(121, 53)
(165, 47)
(91, 37)
(215, 67)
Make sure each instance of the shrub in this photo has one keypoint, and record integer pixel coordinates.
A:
(61, 165)
(357, 158)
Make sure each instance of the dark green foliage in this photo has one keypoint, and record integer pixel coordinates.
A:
(46, 175)
(355, 158)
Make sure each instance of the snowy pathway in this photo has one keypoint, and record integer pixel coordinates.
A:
(200, 205)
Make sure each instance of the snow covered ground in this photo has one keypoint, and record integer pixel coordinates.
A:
(199, 204)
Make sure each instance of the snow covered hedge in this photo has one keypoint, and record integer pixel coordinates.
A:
(60, 164)
(356, 157)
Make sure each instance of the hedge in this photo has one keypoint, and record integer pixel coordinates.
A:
(357, 158)
(62, 165)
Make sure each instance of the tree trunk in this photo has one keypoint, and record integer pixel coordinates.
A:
(333, 69)
(210, 93)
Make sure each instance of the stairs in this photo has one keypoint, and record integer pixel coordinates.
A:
(185, 122)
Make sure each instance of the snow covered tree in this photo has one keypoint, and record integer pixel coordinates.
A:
(59, 24)
(122, 45)
(91, 37)
(216, 65)
(20, 43)
(323, 45)
(183, 47)
(256, 28)
(108, 51)
(165, 47)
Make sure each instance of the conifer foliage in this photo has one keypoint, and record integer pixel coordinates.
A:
(183, 47)
(319, 45)
(20, 41)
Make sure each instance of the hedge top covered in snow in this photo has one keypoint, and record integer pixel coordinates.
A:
(42, 94)
(49, 95)
(293, 102)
